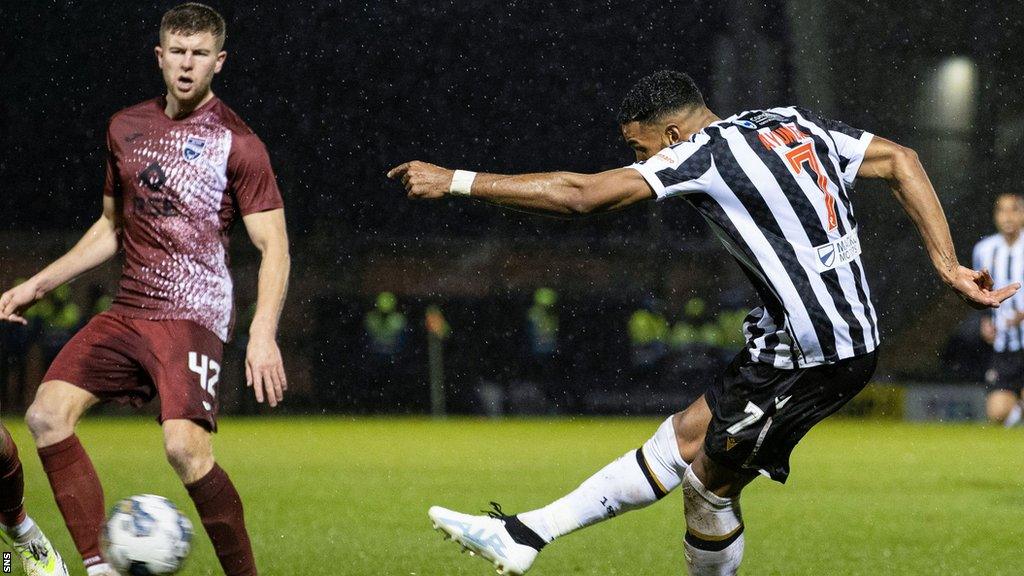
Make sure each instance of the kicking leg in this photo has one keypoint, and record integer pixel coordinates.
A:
(190, 452)
(635, 480)
(52, 418)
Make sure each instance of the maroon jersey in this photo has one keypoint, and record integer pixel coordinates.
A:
(181, 184)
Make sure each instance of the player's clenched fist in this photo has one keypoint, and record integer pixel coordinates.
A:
(16, 299)
(423, 180)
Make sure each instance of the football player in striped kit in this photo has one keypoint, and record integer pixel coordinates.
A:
(774, 185)
(1002, 254)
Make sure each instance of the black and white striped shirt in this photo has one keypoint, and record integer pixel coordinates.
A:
(1006, 264)
(773, 185)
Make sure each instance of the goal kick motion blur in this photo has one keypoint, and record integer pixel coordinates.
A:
(775, 186)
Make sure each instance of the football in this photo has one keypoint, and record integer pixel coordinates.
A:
(147, 535)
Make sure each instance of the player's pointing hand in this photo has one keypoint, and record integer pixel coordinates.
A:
(976, 288)
(423, 180)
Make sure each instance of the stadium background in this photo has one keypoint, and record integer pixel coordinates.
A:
(341, 91)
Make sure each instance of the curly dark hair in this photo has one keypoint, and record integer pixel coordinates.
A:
(193, 18)
(658, 94)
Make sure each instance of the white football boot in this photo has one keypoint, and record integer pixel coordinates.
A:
(490, 537)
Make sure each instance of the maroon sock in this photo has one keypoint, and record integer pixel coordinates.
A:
(220, 509)
(12, 482)
(78, 493)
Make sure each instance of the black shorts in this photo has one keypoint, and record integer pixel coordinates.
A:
(759, 413)
(1005, 372)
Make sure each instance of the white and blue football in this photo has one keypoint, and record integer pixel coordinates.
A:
(147, 535)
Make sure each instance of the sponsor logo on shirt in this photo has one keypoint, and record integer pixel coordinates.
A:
(668, 156)
(153, 177)
(194, 148)
(761, 119)
(837, 253)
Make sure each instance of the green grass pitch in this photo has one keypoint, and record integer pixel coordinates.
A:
(339, 496)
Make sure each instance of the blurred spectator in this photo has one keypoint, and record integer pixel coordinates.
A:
(542, 325)
(57, 318)
(542, 365)
(386, 327)
(438, 331)
(436, 324)
(648, 335)
(99, 300)
(696, 327)
(731, 329)
(386, 375)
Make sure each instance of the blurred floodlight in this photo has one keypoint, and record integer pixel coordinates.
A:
(952, 96)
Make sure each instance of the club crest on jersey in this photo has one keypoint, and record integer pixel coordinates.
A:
(194, 148)
(827, 255)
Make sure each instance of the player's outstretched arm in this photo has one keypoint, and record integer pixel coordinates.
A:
(264, 368)
(97, 246)
(902, 169)
(564, 194)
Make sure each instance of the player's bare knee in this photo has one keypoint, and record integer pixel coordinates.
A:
(720, 480)
(188, 460)
(54, 413)
(690, 426)
(48, 422)
(188, 451)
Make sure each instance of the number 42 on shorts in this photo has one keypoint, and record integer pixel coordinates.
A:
(208, 371)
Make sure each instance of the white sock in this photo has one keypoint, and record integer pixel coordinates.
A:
(16, 532)
(637, 479)
(661, 453)
(714, 530)
(102, 568)
(1013, 418)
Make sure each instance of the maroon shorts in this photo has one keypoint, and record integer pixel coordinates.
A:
(131, 361)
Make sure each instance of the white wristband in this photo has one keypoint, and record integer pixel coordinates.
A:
(462, 182)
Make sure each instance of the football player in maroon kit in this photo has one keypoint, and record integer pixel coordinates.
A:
(180, 169)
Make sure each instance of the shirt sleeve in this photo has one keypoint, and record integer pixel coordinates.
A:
(851, 144)
(978, 258)
(680, 169)
(112, 181)
(251, 177)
